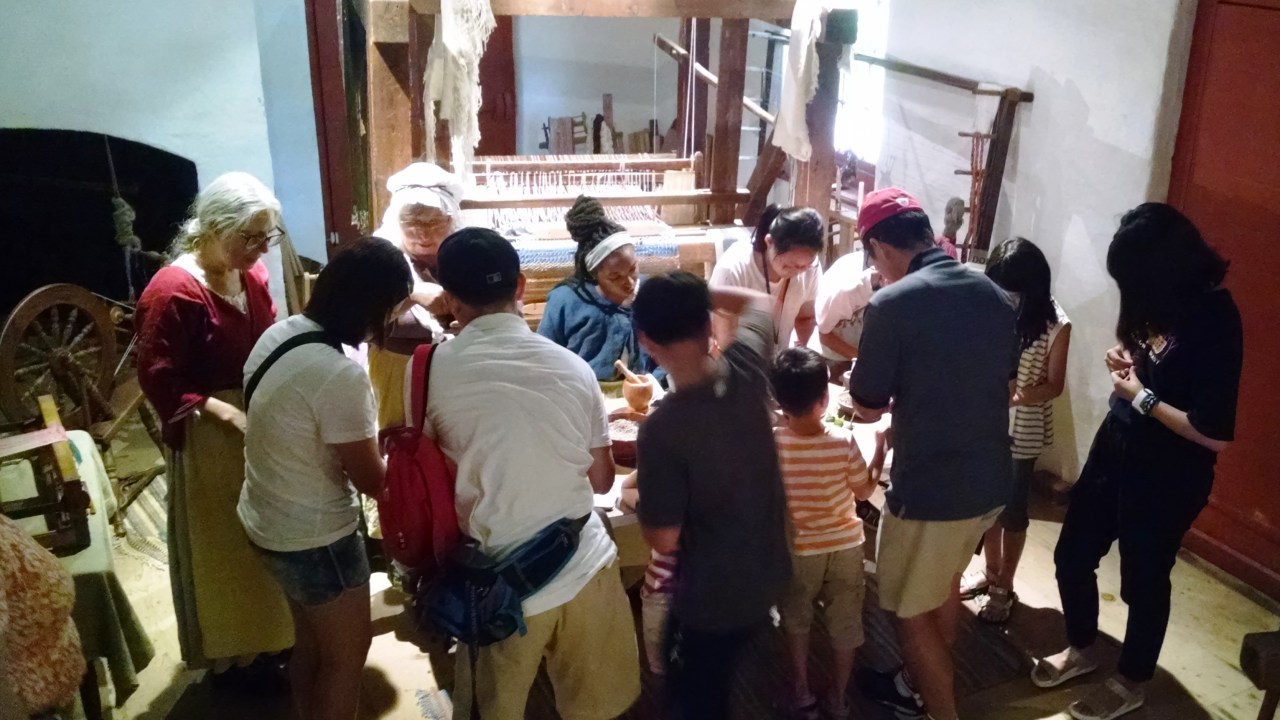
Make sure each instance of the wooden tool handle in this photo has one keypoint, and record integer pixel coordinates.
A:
(630, 376)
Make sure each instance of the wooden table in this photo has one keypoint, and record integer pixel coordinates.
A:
(625, 525)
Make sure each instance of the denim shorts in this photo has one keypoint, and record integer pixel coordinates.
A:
(319, 575)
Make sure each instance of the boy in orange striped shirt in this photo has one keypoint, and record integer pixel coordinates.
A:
(824, 474)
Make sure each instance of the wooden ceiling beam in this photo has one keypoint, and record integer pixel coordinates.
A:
(734, 10)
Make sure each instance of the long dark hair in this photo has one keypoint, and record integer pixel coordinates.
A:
(790, 228)
(1018, 266)
(588, 226)
(358, 289)
(1162, 266)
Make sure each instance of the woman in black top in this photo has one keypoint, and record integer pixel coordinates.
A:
(1176, 373)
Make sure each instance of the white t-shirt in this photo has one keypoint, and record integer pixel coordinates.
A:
(738, 267)
(295, 495)
(844, 292)
(520, 416)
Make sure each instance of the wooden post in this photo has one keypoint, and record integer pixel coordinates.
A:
(561, 142)
(733, 77)
(701, 49)
(691, 138)
(421, 33)
(993, 175)
(815, 178)
(324, 43)
(390, 137)
(768, 169)
(676, 138)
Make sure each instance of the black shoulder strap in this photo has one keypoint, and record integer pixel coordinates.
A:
(306, 338)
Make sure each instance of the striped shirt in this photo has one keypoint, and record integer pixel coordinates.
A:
(820, 474)
(1031, 426)
(660, 576)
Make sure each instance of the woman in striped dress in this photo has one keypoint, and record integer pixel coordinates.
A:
(1019, 267)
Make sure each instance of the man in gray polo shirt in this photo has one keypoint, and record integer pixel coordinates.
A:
(939, 344)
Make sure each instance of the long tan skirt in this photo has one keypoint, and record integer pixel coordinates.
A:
(226, 604)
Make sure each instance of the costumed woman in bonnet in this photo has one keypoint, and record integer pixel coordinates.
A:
(423, 211)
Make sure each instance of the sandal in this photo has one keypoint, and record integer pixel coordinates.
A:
(974, 583)
(1046, 676)
(998, 606)
(1107, 701)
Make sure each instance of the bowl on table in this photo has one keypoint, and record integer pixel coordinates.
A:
(844, 402)
(624, 426)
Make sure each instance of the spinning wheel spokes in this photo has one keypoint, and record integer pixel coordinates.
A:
(60, 340)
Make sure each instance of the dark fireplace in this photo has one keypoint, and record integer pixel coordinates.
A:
(56, 208)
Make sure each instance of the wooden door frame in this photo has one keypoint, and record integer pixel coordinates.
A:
(324, 45)
(1218, 514)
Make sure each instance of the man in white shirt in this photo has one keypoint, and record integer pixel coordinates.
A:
(525, 422)
(844, 292)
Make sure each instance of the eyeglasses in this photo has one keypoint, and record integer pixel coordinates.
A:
(270, 239)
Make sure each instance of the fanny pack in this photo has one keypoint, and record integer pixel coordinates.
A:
(479, 600)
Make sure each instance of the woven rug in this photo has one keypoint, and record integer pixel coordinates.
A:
(984, 659)
(146, 522)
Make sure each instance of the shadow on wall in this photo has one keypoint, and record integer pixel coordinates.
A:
(1065, 188)
(1070, 192)
(922, 148)
(1170, 115)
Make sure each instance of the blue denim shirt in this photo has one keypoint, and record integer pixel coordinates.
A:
(579, 318)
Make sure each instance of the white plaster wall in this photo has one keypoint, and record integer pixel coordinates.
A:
(564, 65)
(1097, 140)
(291, 122)
(183, 77)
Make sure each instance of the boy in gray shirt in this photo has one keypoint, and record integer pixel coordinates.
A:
(710, 487)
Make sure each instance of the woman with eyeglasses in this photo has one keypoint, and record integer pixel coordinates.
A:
(197, 322)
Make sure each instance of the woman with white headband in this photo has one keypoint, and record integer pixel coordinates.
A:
(423, 211)
(590, 313)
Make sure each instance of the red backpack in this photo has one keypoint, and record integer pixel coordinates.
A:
(419, 522)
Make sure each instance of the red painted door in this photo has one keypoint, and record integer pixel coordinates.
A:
(498, 92)
(1226, 178)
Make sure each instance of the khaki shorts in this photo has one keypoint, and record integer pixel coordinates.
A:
(917, 561)
(837, 579)
(590, 647)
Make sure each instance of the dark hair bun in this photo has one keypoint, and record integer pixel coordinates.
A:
(587, 222)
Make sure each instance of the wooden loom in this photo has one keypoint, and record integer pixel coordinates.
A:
(655, 197)
(663, 198)
(399, 33)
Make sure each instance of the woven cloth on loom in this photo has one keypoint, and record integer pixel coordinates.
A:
(535, 255)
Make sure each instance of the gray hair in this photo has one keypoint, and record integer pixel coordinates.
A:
(225, 206)
(953, 217)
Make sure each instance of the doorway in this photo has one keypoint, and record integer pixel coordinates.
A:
(1226, 180)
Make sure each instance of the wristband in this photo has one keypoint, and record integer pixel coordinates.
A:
(1145, 401)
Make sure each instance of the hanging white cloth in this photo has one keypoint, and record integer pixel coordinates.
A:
(800, 78)
(453, 76)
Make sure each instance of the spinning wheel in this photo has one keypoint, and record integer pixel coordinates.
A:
(63, 341)
(60, 341)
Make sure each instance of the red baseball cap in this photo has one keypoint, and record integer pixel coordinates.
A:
(880, 205)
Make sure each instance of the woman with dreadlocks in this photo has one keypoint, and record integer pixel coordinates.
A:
(590, 313)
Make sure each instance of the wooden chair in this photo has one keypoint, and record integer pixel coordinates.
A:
(564, 134)
(1260, 661)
